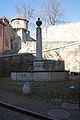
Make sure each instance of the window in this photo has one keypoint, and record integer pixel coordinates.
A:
(17, 22)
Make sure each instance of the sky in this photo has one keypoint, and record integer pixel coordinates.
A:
(71, 9)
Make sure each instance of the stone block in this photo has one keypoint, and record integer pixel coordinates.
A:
(26, 88)
(21, 76)
(40, 76)
(13, 75)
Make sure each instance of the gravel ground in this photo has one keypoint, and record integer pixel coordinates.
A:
(39, 106)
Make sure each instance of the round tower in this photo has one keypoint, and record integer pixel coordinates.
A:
(20, 24)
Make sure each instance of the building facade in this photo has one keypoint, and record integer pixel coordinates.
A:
(9, 40)
(1, 36)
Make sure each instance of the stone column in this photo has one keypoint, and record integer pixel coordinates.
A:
(38, 63)
(38, 40)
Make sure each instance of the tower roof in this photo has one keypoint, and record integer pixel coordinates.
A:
(19, 17)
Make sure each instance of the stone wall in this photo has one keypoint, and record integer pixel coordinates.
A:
(15, 62)
(62, 32)
(60, 42)
(67, 52)
(24, 62)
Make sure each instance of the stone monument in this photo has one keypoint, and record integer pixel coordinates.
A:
(39, 72)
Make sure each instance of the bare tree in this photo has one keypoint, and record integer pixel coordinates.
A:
(18, 8)
(27, 9)
(51, 11)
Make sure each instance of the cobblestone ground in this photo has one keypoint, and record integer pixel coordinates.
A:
(38, 106)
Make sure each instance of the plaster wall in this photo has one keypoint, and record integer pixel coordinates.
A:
(20, 24)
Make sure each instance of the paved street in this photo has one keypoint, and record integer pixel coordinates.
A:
(58, 112)
(6, 114)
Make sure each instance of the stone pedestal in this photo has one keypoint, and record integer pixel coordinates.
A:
(38, 66)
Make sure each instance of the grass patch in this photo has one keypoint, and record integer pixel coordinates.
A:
(51, 89)
(44, 90)
(11, 86)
